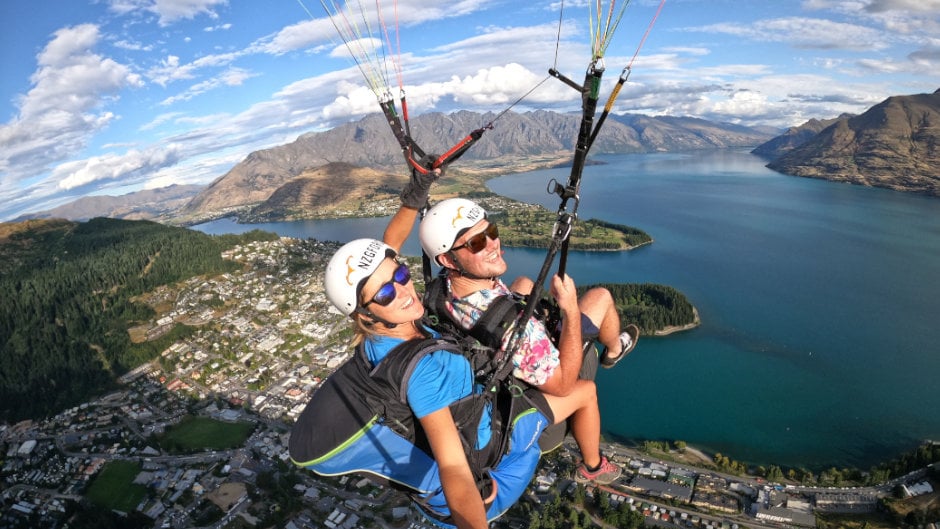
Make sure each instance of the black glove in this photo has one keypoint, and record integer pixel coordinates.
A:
(415, 193)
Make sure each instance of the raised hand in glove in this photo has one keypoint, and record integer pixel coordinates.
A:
(415, 193)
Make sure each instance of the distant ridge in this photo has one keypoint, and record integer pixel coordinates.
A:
(895, 145)
(151, 204)
(795, 136)
(369, 143)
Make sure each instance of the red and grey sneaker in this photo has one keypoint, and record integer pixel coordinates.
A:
(605, 474)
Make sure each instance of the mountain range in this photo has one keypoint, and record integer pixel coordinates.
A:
(150, 204)
(894, 144)
(794, 137)
(515, 142)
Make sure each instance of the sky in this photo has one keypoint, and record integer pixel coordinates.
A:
(107, 97)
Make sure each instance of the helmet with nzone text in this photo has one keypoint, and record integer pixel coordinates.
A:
(350, 267)
(446, 222)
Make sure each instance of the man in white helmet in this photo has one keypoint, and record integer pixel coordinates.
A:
(456, 234)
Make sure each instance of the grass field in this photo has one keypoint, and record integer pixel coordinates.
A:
(114, 487)
(202, 433)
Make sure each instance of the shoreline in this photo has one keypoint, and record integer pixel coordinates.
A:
(666, 331)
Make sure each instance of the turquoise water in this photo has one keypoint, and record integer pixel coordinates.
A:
(818, 344)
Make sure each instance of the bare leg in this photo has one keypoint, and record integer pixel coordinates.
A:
(598, 305)
(522, 285)
(581, 406)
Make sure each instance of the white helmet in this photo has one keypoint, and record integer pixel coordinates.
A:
(446, 222)
(350, 267)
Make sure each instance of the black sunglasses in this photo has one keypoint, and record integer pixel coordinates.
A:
(386, 293)
(477, 243)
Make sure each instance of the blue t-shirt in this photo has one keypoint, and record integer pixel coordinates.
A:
(440, 379)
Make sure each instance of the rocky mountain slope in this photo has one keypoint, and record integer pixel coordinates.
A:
(794, 137)
(895, 144)
(325, 188)
(514, 137)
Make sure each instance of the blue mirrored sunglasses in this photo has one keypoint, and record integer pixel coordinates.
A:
(386, 293)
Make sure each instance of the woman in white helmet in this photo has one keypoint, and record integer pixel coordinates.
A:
(366, 281)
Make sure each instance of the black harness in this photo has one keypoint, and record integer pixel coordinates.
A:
(358, 394)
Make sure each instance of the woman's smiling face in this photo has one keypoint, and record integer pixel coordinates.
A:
(404, 307)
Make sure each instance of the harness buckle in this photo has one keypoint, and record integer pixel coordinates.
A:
(563, 226)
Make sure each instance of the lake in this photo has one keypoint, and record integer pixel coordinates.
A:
(819, 305)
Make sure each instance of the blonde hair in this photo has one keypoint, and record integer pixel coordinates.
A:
(361, 329)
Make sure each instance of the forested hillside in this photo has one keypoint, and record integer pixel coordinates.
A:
(66, 289)
(651, 307)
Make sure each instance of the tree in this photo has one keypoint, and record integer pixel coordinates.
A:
(574, 519)
(535, 521)
(579, 494)
(602, 498)
(774, 473)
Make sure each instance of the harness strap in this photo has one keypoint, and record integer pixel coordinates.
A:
(496, 320)
(394, 372)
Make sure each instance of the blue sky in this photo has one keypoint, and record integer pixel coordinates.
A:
(113, 96)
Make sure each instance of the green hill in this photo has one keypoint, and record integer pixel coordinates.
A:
(67, 291)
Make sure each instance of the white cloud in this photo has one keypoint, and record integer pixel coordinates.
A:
(358, 47)
(160, 120)
(133, 163)
(901, 20)
(804, 32)
(68, 42)
(501, 85)
(170, 69)
(168, 11)
(320, 29)
(727, 72)
(917, 6)
(687, 50)
(738, 105)
(195, 170)
(173, 10)
(123, 7)
(230, 77)
(298, 36)
(767, 99)
(355, 101)
(132, 46)
(919, 64)
(65, 106)
(927, 57)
